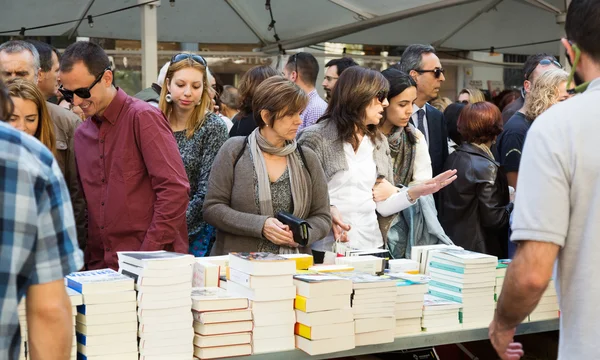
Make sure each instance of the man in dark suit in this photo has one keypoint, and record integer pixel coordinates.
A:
(423, 65)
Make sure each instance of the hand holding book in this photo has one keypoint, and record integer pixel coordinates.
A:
(278, 233)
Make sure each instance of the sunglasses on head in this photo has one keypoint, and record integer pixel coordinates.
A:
(184, 56)
(381, 95)
(544, 62)
(83, 93)
(436, 72)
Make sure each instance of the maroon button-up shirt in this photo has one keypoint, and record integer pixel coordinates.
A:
(133, 180)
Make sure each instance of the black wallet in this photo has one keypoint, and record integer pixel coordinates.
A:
(298, 226)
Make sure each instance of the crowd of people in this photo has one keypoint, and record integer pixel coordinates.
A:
(193, 166)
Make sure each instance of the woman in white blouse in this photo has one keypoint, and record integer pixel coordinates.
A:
(356, 159)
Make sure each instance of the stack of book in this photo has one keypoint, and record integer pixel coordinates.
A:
(548, 307)
(403, 266)
(76, 300)
(106, 321)
(324, 319)
(222, 323)
(440, 315)
(468, 278)
(206, 273)
(163, 281)
(409, 306)
(267, 281)
(500, 275)
(373, 306)
(422, 254)
(23, 322)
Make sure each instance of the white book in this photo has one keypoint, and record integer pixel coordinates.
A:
(375, 337)
(266, 264)
(151, 289)
(154, 320)
(213, 299)
(265, 319)
(388, 306)
(142, 281)
(222, 351)
(108, 329)
(429, 252)
(402, 299)
(211, 317)
(538, 316)
(107, 340)
(75, 297)
(417, 305)
(115, 308)
(437, 303)
(183, 272)
(155, 259)
(263, 294)
(143, 297)
(166, 304)
(374, 324)
(324, 317)
(175, 311)
(272, 332)
(325, 346)
(260, 282)
(442, 329)
(325, 331)
(114, 348)
(168, 350)
(222, 328)
(109, 298)
(408, 314)
(321, 304)
(357, 302)
(367, 263)
(162, 327)
(408, 322)
(127, 356)
(98, 281)
(222, 261)
(159, 336)
(279, 344)
(173, 341)
(206, 274)
(205, 341)
(386, 293)
(259, 307)
(104, 319)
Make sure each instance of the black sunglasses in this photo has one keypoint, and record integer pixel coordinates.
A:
(184, 56)
(381, 95)
(436, 72)
(83, 93)
(544, 62)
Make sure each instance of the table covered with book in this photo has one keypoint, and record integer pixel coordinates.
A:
(162, 305)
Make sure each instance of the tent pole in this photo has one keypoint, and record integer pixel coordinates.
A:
(149, 42)
(355, 27)
(483, 10)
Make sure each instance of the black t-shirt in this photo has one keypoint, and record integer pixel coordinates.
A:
(242, 125)
(509, 144)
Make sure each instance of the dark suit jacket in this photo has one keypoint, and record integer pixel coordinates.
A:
(438, 139)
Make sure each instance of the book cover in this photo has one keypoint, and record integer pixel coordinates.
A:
(261, 263)
(363, 280)
(103, 280)
(211, 299)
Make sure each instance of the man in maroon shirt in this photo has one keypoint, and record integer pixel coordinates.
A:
(128, 163)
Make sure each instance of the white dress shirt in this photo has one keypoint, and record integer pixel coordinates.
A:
(351, 191)
(415, 120)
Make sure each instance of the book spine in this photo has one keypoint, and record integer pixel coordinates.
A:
(454, 269)
(445, 296)
(300, 303)
(302, 330)
(445, 286)
(75, 285)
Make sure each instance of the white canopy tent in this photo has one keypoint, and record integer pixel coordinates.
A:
(449, 24)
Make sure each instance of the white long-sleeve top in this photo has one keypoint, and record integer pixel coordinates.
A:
(351, 191)
(422, 170)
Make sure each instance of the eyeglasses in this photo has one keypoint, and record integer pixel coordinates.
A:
(436, 72)
(381, 95)
(295, 60)
(331, 78)
(184, 56)
(543, 62)
(83, 93)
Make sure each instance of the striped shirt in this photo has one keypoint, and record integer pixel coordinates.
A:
(314, 110)
(38, 241)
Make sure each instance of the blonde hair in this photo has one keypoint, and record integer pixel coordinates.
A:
(475, 95)
(544, 92)
(441, 103)
(196, 119)
(26, 90)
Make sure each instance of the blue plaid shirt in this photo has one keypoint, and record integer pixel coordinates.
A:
(38, 241)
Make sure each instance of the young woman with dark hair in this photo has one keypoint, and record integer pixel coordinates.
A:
(476, 208)
(356, 159)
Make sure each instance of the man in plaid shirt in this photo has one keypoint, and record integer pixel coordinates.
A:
(38, 245)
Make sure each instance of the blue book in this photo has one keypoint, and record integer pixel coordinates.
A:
(446, 267)
(99, 281)
(81, 339)
(446, 296)
(446, 286)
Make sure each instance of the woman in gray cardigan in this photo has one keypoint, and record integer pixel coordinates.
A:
(356, 159)
(254, 178)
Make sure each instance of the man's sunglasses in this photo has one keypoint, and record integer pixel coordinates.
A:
(381, 95)
(436, 72)
(83, 93)
(184, 56)
(544, 62)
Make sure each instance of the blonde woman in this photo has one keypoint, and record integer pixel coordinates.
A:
(470, 96)
(200, 133)
(548, 89)
(30, 114)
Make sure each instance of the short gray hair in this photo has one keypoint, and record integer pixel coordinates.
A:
(18, 46)
(230, 97)
(412, 58)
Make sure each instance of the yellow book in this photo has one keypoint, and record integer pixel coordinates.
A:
(302, 330)
(331, 268)
(300, 303)
(303, 261)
